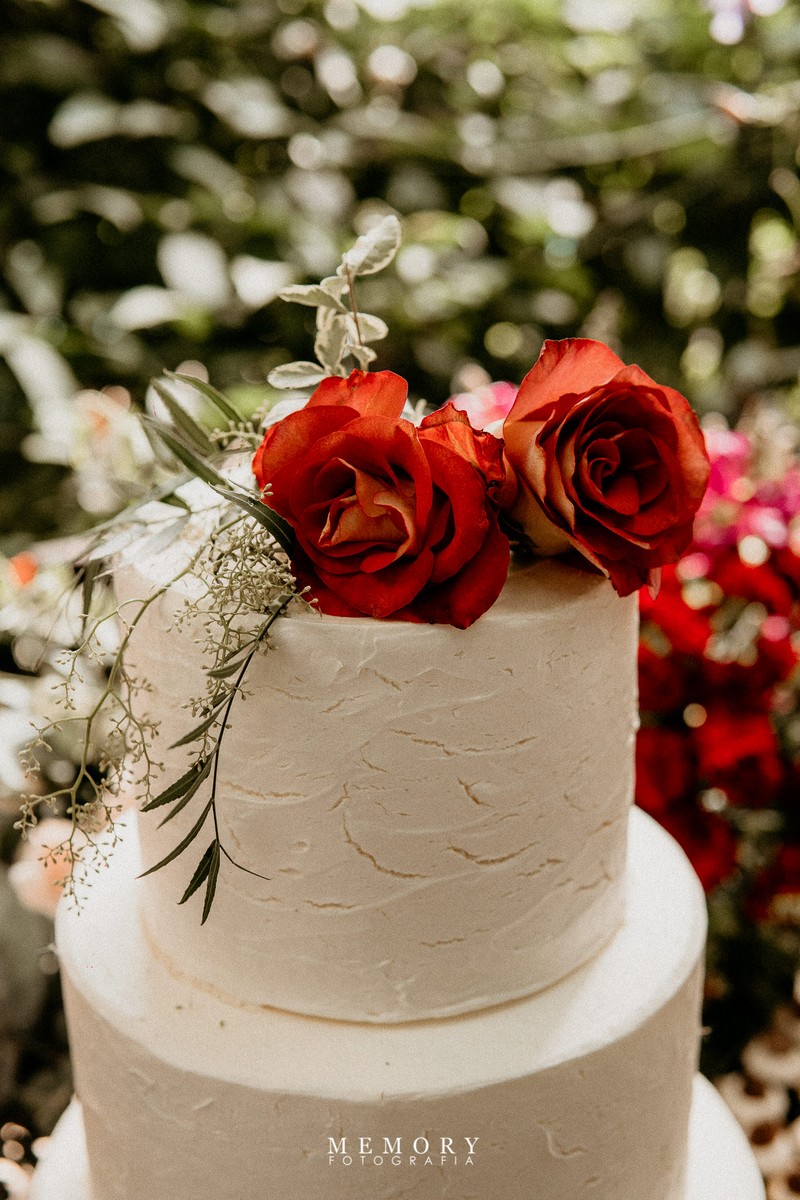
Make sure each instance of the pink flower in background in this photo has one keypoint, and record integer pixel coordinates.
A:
(729, 453)
(745, 498)
(36, 876)
(487, 405)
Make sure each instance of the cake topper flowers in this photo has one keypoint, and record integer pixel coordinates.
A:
(363, 507)
(608, 461)
(390, 519)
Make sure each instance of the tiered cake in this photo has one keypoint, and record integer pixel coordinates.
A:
(470, 973)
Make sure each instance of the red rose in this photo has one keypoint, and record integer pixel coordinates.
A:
(390, 520)
(609, 462)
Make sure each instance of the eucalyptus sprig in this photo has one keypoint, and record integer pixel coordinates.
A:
(344, 333)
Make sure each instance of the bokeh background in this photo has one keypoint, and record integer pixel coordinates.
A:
(620, 169)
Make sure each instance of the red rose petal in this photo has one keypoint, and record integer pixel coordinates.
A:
(287, 442)
(570, 367)
(466, 493)
(383, 592)
(373, 393)
(623, 495)
(464, 597)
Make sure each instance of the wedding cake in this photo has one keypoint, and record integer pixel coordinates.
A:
(431, 951)
(480, 856)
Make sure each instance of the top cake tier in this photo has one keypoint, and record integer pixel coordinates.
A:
(441, 813)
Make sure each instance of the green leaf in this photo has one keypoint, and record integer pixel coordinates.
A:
(280, 529)
(107, 547)
(374, 250)
(330, 340)
(160, 452)
(239, 657)
(182, 844)
(372, 328)
(334, 285)
(185, 454)
(183, 421)
(200, 874)
(162, 538)
(181, 804)
(211, 885)
(311, 295)
(222, 403)
(225, 670)
(296, 375)
(204, 725)
(161, 493)
(363, 355)
(176, 502)
(90, 573)
(189, 782)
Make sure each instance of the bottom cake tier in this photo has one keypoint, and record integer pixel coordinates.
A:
(721, 1165)
(582, 1090)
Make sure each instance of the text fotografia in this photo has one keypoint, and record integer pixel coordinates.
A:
(399, 1151)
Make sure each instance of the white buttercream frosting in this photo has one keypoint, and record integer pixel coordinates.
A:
(721, 1165)
(582, 1089)
(441, 813)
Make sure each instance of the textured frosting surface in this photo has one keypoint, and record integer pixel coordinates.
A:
(721, 1163)
(583, 1089)
(441, 812)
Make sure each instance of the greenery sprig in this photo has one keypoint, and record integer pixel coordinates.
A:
(242, 584)
(343, 332)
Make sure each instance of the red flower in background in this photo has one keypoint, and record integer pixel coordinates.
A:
(687, 629)
(718, 676)
(390, 520)
(739, 753)
(775, 898)
(787, 561)
(662, 681)
(750, 685)
(666, 787)
(666, 771)
(761, 584)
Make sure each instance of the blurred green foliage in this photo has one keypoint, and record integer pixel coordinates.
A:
(605, 168)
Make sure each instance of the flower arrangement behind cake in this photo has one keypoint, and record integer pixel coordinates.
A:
(354, 502)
